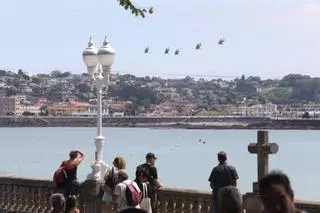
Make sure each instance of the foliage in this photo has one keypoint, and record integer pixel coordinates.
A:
(135, 10)
(144, 92)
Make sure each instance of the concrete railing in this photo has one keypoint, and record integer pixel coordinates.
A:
(24, 195)
(187, 201)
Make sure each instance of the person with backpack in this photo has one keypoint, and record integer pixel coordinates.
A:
(151, 172)
(111, 178)
(127, 193)
(65, 177)
(222, 175)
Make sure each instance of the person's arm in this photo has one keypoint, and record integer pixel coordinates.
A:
(234, 177)
(117, 195)
(212, 178)
(154, 174)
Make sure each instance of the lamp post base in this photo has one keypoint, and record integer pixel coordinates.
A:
(99, 167)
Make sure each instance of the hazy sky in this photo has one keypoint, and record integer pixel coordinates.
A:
(269, 38)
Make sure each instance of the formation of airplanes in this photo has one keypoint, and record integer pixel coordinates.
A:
(177, 51)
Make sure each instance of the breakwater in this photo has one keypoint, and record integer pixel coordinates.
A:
(191, 122)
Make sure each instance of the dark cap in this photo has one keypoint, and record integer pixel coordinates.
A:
(150, 156)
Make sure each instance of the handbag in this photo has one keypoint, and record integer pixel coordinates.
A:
(146, 201)
(106, 197)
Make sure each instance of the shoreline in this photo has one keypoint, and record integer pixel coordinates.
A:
(215, 123)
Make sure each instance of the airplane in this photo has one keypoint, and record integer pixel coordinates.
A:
(198, 46)
(177, 52)
(146, 50)
(221, 41)
(166, 51)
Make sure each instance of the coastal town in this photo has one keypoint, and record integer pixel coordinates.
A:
(66, 94)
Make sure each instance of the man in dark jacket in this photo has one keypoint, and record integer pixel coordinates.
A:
(221, 176)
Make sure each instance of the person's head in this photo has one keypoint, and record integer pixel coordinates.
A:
(276, 193)
(122, 175)
(133, 210)
(230, 200)
(120, 163)
(71, 203)
(151, 158)
(222, 157)
(58, 202)
(73, 155)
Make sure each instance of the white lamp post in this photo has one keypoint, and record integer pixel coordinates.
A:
(100, 78)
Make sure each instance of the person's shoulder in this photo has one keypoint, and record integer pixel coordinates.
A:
(135, 184)
(120, 185)
(145, 165)
(216, 168)
(231, 167)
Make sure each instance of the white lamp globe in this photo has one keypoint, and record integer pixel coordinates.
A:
(89, 55)
(106, 54)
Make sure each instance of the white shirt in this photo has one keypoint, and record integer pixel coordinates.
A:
(120, 192)
(106, 188)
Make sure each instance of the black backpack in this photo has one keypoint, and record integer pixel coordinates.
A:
(111, 180)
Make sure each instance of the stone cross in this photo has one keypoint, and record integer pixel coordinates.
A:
(263, 148)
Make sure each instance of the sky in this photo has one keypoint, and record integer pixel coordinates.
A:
(267, 38)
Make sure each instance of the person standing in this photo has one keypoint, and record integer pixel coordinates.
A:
(70, 167)
(150, 170)
(123, 188)
(111, 178)
(222, 175)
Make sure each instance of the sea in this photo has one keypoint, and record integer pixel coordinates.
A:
(185, 157)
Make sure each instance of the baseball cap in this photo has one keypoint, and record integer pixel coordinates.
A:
(151, 155)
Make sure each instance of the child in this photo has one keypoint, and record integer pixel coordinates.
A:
(71, 205)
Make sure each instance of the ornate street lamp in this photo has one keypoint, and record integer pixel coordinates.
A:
(100, 78)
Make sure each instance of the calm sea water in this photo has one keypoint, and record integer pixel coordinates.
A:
(182, 161)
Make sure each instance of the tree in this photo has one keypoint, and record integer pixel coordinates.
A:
(20, 72)
(65, 74)
(36, 80)
(135, 10)
(56, 73)
(132, 110)
(306, 115)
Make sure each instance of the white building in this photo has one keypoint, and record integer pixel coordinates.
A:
(34, 109)
(259, 110)
(91, 111)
